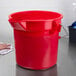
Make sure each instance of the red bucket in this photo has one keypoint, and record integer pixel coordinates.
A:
(36, 36)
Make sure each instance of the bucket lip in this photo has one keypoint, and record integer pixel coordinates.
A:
(9, 16)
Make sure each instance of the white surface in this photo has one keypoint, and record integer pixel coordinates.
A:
(7, 64)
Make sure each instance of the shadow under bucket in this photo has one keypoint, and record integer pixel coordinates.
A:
(36, 36)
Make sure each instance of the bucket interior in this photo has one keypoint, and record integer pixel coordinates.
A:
(34, 16)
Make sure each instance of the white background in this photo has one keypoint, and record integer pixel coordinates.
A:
(66, 7)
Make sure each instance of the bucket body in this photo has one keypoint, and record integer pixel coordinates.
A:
(36, 38)
(36, 52)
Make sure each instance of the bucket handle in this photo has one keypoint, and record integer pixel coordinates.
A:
(57, 27)
(66, 33)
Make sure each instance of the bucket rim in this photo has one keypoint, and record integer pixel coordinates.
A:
(10, 16)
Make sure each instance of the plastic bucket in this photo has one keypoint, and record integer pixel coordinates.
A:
(36, 36)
